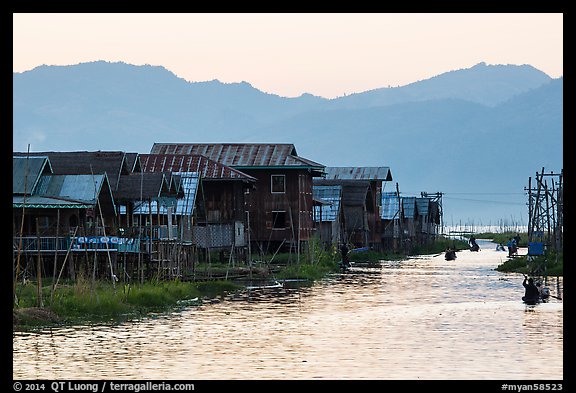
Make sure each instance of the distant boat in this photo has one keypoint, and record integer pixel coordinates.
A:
(187, 302)
(276, 284)
(360, 249)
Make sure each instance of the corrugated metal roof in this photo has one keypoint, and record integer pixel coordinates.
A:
(79, 188)
(113, 163)
(241, 155)
(145, 185)
(423, 206)
(354, 192)
(332, 194)
(208, 169)
(133, 162)
(184, 206)
(390, 206)
(41, 202)
(26, 172)
(409, 207)
(174, 182)
(359, 173)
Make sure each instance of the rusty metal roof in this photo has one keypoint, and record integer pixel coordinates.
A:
(207, 168)
(241, 155)
(359, 173)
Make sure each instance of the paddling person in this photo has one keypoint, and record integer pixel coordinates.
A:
(450, 254)
(344, 252)
(531, 293)
(473, 245)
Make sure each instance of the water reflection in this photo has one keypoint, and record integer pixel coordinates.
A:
(423, 318)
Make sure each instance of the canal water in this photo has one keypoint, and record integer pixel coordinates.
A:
(421, 318)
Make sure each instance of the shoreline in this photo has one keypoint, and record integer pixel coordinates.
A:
(86, 303)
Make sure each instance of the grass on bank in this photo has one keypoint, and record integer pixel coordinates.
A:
(84, 301)
(503, 237)
(551, 264)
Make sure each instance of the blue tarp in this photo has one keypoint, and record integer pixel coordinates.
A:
(535, 248)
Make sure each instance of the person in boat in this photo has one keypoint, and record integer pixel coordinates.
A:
(543, 291)
(450, 254)
(531, 292)
(473, 245)
(511, 247)
(344, 252)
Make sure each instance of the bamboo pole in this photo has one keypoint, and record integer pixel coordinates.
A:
(65, 258)
(55, 255)
(299, 227)
(39, 301)
(112, 275)
(15, 297)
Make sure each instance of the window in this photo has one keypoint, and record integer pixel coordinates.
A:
(278, 184)
(43, 222)
(278, 220)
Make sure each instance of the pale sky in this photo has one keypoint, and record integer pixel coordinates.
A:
(324, 54)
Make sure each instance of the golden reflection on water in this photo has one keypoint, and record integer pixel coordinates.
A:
(423, 318)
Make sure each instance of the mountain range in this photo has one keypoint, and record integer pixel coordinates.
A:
(475, 134)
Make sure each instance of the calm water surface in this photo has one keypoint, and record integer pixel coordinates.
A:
(422, 318)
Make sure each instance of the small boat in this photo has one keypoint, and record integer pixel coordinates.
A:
(344, 266)
(544, 293)
(543, 298)
(188, 302)
(531, 301)
(276, 284)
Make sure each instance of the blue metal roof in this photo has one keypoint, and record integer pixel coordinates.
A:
(184, 206)
(390, 206)
(80, 188)
(423, 204)
(330, 194)
(409, 207)
(26, 172)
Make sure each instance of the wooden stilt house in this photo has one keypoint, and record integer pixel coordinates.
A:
(360, 202)
(278, 209)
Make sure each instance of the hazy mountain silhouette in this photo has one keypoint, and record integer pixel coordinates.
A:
(467, 132)
(483, 84)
